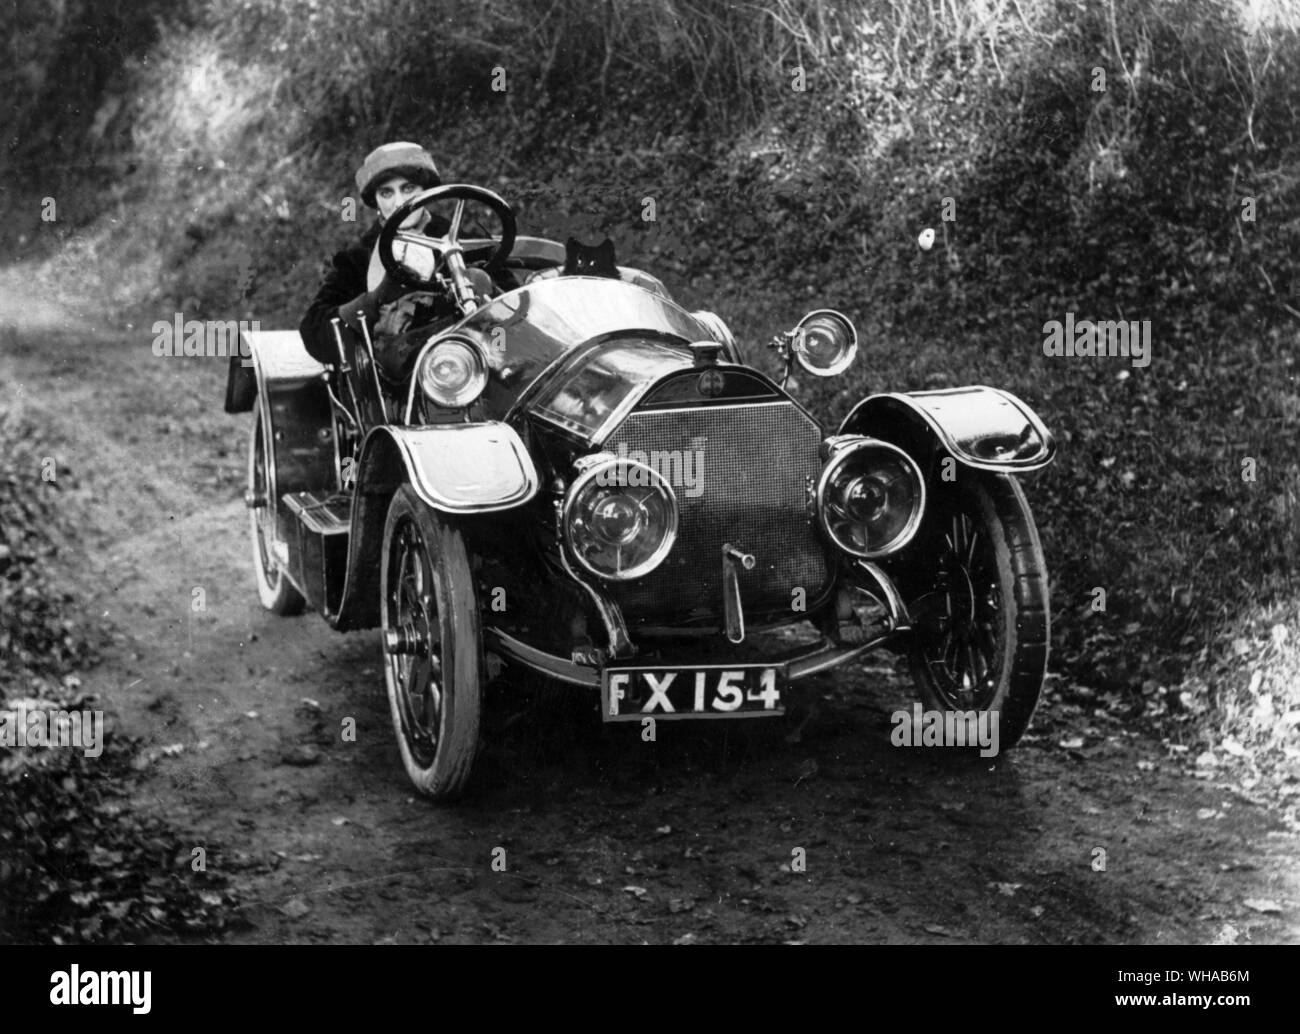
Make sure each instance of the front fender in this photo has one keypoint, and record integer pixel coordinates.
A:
(455, 468)
(984, 428)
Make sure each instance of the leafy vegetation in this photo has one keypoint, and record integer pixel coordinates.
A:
(77, 863)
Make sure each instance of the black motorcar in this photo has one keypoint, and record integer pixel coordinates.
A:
(588, 480)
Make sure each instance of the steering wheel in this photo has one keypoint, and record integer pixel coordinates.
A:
(447, 249)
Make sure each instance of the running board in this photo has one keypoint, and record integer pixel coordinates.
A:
(325, 513)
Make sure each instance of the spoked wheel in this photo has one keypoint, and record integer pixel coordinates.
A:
(276, 592)
(981, 623)
(433, 651)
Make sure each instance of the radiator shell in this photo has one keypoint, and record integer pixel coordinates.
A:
(758, 460)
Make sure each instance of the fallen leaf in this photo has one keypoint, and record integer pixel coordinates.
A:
(1262, 905)
(640, 892)
(301, 756)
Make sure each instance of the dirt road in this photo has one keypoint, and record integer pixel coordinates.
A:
(604, 838)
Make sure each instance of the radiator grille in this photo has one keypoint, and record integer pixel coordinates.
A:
(751, 461)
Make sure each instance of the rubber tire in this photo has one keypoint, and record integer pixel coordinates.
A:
(997, 505)
(276, 593)
(446, 775)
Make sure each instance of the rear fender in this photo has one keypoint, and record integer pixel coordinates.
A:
(289, 385)
(983, 428)
(459, 469)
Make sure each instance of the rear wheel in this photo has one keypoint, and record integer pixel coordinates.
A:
(433, 649)
(274, 589)
(981, 621)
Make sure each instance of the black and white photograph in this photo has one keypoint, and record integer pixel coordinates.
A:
(651, 472)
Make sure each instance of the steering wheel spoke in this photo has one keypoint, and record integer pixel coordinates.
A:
(447, 247)
(413, 237)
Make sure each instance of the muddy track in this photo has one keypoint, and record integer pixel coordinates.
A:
(606, 838)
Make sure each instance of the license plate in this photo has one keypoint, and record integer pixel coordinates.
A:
(705, 691)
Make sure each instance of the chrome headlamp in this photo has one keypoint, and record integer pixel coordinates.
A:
(870, 496)
(824, 342)
(453, 373)
(620, 518)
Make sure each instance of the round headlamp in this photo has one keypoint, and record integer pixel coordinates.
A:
(453, 373)
(870, 498)
(825, 342)
(620, 519)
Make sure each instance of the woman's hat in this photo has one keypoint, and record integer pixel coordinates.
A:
(399, 159)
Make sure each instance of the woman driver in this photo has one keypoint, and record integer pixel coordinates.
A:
(357, 284)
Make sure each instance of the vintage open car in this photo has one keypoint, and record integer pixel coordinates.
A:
(587, 480)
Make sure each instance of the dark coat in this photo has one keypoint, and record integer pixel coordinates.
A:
(344, 287)
(345, 281)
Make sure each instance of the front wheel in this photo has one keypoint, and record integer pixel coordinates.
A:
(981, 623)
(433, 648)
